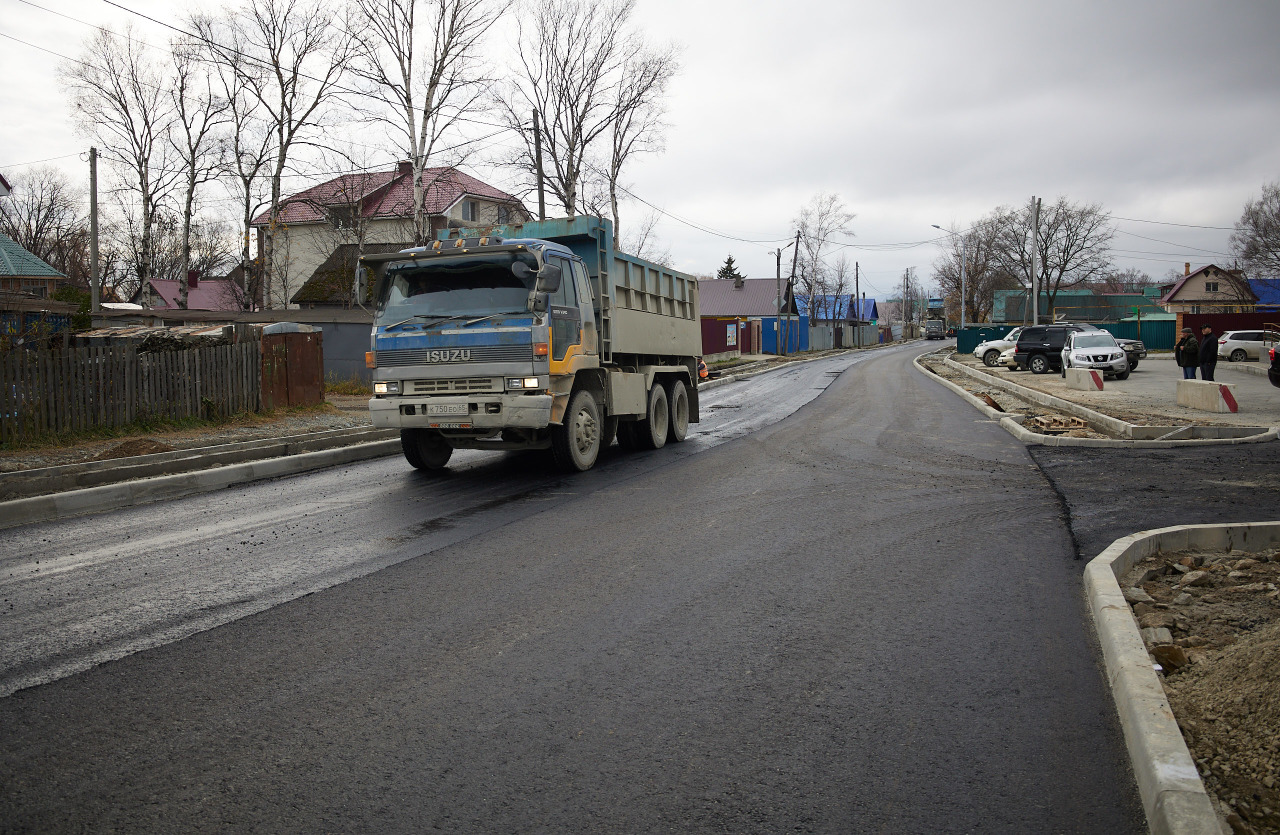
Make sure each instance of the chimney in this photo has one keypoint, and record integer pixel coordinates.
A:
(193, 279)
(404, 168)
(737, 283)
(1186, 269)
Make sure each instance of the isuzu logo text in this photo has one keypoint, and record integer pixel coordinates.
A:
(462, 355)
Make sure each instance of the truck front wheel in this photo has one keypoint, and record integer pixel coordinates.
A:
(424, 449)
(575, 443)
(678, 406)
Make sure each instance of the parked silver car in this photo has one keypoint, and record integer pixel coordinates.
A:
(1097, 350)
(990, 350)
(1238, 346)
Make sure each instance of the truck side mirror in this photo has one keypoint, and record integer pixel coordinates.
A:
(549, 278)
(362, 283)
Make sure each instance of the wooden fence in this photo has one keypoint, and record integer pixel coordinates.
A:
(45, 392)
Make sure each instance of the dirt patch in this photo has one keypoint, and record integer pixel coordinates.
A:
(133, 446)
(1212, 622)
(1005, 401)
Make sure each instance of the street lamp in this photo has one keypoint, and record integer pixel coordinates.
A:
(964, 256)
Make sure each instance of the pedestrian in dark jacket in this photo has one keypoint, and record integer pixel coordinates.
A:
(1187, 354)
(1208, 352)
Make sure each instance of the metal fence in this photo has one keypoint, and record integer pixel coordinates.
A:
(75, 389)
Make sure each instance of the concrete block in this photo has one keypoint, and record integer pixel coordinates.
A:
(1084, 379)
(1207, 396)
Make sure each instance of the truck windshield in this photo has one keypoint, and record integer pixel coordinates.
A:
(475, 285)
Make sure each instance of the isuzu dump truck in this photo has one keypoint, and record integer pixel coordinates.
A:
(532, 336)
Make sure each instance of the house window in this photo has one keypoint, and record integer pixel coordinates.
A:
(1211, 286)
(504, 214)
(342, 218)
(1195, 308)
(469, 210)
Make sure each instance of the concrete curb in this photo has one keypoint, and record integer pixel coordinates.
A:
(1173, 795)
(44, 480)
(146, 490)
(1097, 420)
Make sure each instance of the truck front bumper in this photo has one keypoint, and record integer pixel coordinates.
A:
(481, 411)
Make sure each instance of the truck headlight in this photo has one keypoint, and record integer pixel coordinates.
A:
(522, 382)
(391, 387)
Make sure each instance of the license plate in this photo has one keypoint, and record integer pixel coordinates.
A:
(450, 426)
(448, 409)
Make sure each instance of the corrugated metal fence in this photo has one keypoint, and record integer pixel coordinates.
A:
(45, 392)
(1156, 334)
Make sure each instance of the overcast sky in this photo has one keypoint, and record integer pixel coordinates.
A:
(915, 113)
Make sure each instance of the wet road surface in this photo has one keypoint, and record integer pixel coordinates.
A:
(831, 622)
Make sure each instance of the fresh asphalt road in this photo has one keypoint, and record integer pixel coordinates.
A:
(831, 622)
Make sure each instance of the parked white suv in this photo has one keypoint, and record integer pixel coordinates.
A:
(1097, 350)
(1237, 346)
(989, 351)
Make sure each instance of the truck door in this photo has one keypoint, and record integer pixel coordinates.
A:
(590, 337)
(566, 317)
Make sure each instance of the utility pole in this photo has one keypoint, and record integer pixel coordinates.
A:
(95, 286)
(791, 290)
(964, 297)
(906, 274)
(537, 161)
(857, 295)
(777, 322)
(1035, 251)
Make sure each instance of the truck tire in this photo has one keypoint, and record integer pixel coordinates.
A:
(678, 407)
(651, 433)
(575, 443)
(424, 449)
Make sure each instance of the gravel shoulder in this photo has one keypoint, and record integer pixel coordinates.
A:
(1211, 621)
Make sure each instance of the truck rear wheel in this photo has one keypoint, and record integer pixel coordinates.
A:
(424, 449)
(575, 443)
(651, 433)
(678, 406)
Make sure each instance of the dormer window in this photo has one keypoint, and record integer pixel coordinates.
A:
(342, 217)
(1211, 286)
(469, 210)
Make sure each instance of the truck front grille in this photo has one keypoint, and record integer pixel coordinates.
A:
(460, 385)
(480, 353)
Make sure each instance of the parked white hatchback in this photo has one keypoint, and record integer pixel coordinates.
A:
(1238, 346)
(1097, 350)
(990, 350)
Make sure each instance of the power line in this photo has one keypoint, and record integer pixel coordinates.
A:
(38, 161)
(1170, 223)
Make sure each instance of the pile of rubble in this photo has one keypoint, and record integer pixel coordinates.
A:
(1211, 621)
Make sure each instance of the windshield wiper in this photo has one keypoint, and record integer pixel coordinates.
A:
(422, 316)
(492, 316)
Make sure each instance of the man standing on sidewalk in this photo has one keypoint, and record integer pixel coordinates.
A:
(1208, 352)
(1187, 354)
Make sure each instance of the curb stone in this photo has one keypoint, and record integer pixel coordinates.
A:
(159, 488)
(1172, 793)
(1012, 423)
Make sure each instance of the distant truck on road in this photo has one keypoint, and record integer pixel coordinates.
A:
(935, 329)
(532, 336)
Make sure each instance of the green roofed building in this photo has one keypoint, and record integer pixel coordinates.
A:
(22, 272)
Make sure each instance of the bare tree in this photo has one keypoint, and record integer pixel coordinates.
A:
(642, 243)
(1128, 280)
(1074, 245)
(570, 60)
(1256, 239)
(44, 216)
(120, 97)
(638, 111)
(984, 271)
(818, 222)
(290, 56)
(200, 113)
(421, 60)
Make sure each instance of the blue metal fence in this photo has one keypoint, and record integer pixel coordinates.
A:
(968, 339)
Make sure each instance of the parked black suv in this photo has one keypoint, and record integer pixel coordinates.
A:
(1040, 346)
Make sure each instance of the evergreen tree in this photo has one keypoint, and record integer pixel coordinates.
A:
(729, 270)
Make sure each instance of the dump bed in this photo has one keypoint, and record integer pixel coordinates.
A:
(643, 308)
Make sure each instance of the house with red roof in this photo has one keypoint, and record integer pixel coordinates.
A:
(323, 230)
(202, 294)
(1210, 289)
